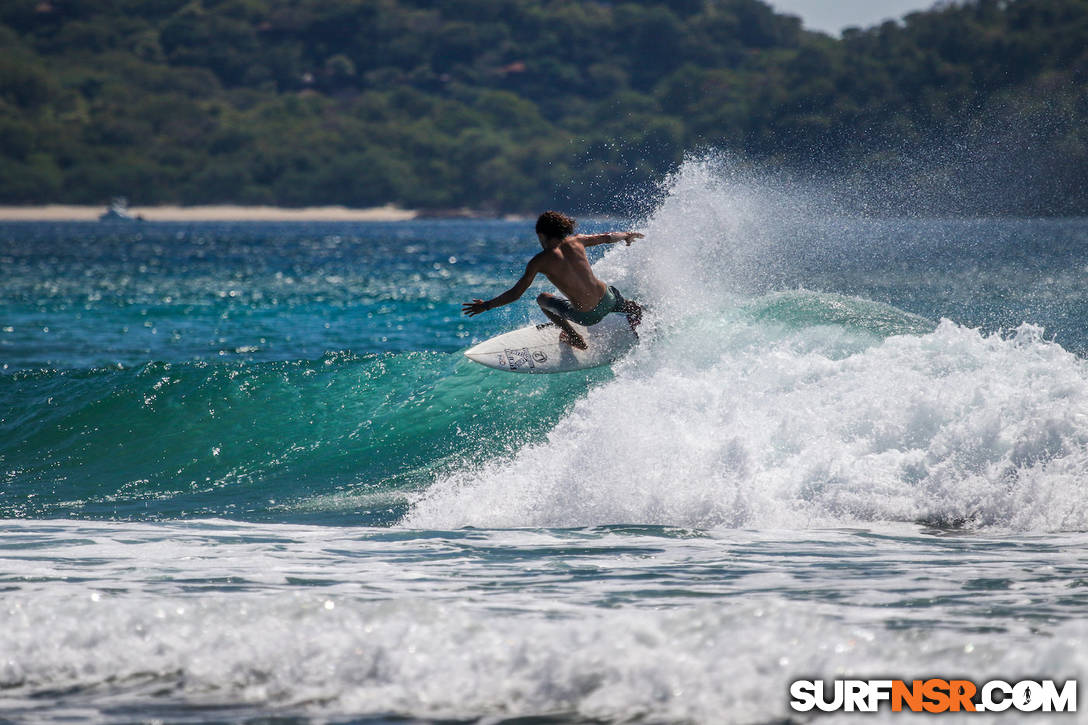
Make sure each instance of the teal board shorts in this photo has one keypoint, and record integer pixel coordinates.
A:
(611, 302)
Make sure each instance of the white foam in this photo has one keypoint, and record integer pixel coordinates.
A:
(105, 621)
(318, 654)
(951, 426)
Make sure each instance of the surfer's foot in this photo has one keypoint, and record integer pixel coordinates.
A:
(573, 339)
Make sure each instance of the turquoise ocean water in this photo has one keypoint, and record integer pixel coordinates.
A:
(247, 474)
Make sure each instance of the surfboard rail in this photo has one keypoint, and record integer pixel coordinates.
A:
(537, 348)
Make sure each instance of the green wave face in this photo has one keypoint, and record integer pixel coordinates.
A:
(343, 437)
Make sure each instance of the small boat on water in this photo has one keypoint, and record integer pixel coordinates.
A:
(118, 212)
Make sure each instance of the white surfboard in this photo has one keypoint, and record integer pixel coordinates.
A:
(537, 349)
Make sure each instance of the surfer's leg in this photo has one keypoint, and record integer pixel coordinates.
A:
(632, 309)
(553, 307)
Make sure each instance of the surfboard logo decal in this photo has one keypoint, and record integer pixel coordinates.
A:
(540, 357)
(517, 359)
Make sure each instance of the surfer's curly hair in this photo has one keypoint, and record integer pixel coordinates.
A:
(554, 225)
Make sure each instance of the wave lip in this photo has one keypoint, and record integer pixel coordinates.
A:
(802, 308)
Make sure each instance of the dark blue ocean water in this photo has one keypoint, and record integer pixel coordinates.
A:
(246, 471)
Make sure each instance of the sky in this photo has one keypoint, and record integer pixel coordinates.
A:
(831, 16)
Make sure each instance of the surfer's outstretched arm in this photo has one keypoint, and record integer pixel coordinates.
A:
(592, 240)
(477, 306)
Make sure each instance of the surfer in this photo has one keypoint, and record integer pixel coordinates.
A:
(563, 261)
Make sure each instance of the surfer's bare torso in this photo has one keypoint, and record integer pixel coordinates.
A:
(567, 267)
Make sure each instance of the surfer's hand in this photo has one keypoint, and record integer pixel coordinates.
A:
(632, 236)
(474, 308)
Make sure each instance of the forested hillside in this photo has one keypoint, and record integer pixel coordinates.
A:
(512, 105)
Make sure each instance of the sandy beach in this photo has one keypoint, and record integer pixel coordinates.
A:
(224, 213)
